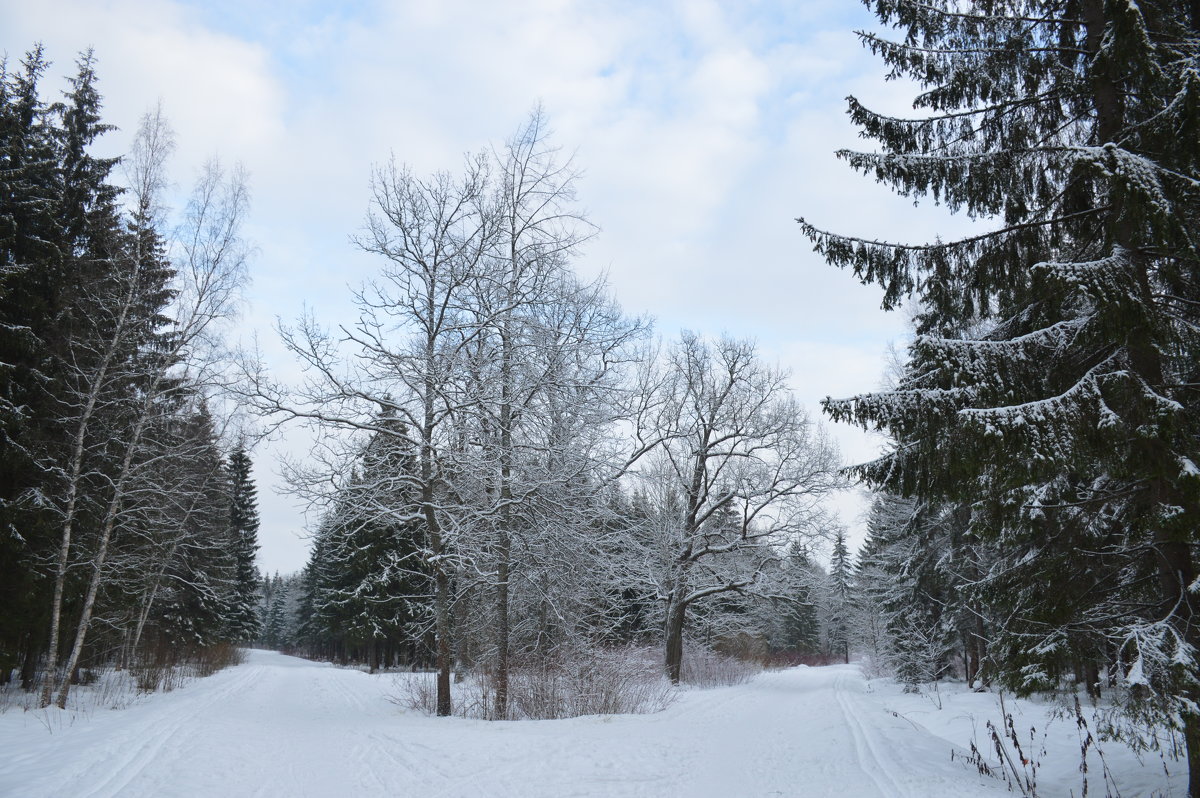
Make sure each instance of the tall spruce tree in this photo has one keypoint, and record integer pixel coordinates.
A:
(1052, 385)
(28, 236)
(242, 618)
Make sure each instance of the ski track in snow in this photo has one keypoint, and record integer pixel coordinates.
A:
(280, 726)
(863, 747)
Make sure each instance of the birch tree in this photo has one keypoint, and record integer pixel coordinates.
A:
(209, 270)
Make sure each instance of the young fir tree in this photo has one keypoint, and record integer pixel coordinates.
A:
(367, 588)
(1052, 384)
(838, 608)
(912, 559)
(277, 626)
(243, 623)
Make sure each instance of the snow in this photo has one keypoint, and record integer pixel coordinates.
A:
(280, 726)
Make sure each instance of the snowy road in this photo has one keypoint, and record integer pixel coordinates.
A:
(279, 726)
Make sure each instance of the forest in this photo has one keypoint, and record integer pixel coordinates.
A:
(520, 486)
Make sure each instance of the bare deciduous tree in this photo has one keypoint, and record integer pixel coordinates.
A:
(741, 470)
(402, 357)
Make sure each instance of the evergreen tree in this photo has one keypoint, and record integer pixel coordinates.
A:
(801, 623)
(28, 236)
(1051, 386)
(184, 514)
(276, 626)
(107, 485)
(366, 589)
(112, 355)
(869, 633)
(243, 623)
(838, 607)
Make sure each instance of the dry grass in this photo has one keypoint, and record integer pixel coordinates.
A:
(114, 688)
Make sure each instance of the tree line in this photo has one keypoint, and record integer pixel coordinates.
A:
(127, 526)
(508, 466)
(509, 471)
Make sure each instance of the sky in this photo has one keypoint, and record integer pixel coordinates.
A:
(703, 129)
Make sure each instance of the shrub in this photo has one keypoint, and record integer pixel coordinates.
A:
(565, 684)
(703, 667)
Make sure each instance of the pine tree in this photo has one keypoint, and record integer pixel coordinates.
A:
(1051, 387)
(243, 623)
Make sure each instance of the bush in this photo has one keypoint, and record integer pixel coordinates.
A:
(210, 659)
(565, 684)
(703, 667)
(165, 667)
(777, 660)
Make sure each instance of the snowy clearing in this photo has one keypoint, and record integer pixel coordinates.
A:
(281, 726)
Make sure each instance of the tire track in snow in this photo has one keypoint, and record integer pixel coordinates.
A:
(869, 757)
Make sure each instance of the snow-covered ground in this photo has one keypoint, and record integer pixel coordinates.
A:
(280, 726)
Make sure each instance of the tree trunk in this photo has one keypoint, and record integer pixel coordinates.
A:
(64, 550)
(29, 666)
(1176, 573)
(1176, 570)
(676, 616)
(1191, 736)
(982, 648)
(504, 541)
(970, 658)
(502, 628)
(463, 655)
(1091, 674)
(442, 608)
(85, 618)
